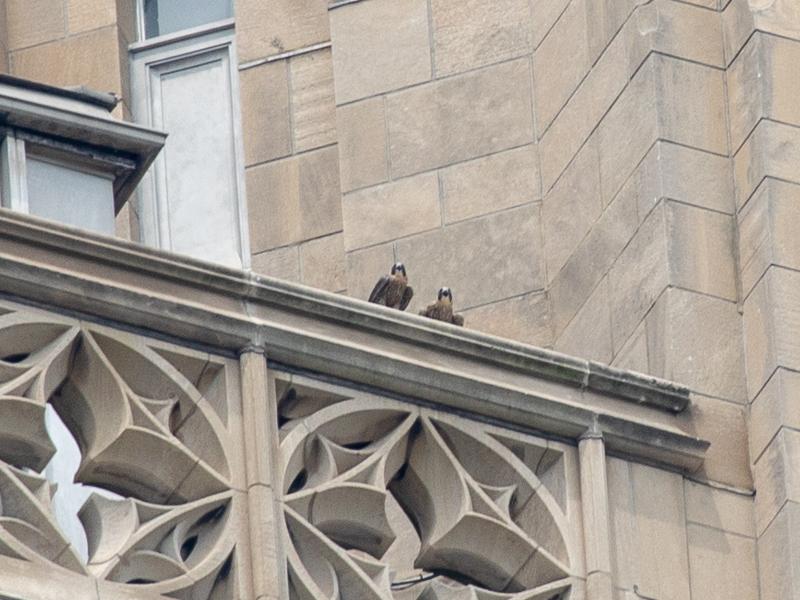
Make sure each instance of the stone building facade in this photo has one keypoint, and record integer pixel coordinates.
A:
(610, 179)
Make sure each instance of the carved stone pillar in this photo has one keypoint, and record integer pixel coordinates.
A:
(594, 493)
(260, 432)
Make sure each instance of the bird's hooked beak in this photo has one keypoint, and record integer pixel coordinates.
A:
(445, 295)
(399, 268)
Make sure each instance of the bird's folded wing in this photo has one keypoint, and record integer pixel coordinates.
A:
(379, 291)
(407, 295)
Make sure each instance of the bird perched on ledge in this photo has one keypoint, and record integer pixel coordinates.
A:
(442, 309)
(393, 290)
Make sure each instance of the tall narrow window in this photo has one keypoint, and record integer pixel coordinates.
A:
(185, 83)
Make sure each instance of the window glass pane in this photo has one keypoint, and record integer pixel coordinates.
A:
(198, 158)
(70, 197)
(168, 16)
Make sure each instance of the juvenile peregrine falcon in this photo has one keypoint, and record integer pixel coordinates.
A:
(393, 290)
(442, 309)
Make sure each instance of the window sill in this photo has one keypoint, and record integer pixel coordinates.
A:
(184, 34)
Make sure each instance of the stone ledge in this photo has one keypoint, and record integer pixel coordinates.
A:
(226, 310)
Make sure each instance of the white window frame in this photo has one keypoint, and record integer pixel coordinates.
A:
(153, 53)
(17, 148)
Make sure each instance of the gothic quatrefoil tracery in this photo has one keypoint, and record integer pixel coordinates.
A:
(385, 500)
(151, 431)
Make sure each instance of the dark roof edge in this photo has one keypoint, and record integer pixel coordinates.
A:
(105, 100)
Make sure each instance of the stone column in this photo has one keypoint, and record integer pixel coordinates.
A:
(765, 133)
(260, 438)
(594, 496)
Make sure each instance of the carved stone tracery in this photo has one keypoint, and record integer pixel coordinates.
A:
(151, 424)
(383, 499)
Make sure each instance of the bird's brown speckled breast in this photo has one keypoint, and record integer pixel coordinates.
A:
(394, 291)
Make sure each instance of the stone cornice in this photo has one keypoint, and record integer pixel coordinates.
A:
(227, 310)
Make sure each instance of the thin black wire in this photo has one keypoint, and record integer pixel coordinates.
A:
(407, 583)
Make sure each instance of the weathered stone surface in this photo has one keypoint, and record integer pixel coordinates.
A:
(313, 107)
(737, 25)
(460, 118)
(701, 247)
(633, 354)
(283, 263)
(545, 13)
(771, 323)
(628, 130)
(589, 334)
(593, 97)
(268, 27)
(524, 318)
(694, 177)
(127, 20)
(30, 22)
(745, 91)
(91, 59)
(361, 130)
(777, 477)
(263, 524)
(365, 267)
(571, 208)
(639, 276)
(781, 86)
(721, 564)
(591, 261)
(605, 17)
(390, 211)
(647, 504)
(691, 104)
(781, 17)
(646, 182)
(489, 184)
(265, 112)
(743, 17)
(779, 555)
(294, 199)
(28, 577)
(761, 85)
(554, 77)
(723, 424)
(670, 27)
(689, 32)
(123, 228)
(322, 263)
(595, 509)
(84, 15)
(472, 33)
(767, 226)
(482, 261)
(773, 150)
(381, 45)
(720, 509)
(697, 340)
(774, 407)
(758, 335)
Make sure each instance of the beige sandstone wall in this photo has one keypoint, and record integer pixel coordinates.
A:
(72, 42)
(290, 141)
